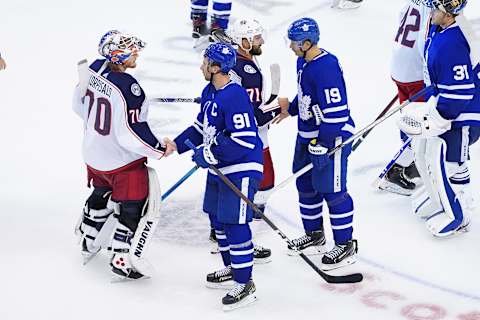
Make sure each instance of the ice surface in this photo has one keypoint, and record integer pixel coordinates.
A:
(408, 274)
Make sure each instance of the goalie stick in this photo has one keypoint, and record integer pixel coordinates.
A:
(377, 181)
(350, 278)
(266, 194)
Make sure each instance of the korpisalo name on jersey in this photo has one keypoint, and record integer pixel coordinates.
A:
(100, 85)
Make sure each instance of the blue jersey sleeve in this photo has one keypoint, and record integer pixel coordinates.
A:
(331, 94)
(240, 134)
(455, 80)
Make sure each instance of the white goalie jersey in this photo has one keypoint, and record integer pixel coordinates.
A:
(114, 111)
(407, 59)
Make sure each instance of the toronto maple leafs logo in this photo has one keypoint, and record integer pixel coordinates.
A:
(305, 27)
(226, 51)
(304, 102)
(209, 132)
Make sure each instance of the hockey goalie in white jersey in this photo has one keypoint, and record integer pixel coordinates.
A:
(117, 143)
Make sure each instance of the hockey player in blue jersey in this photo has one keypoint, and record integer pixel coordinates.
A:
(444, 126)
(226, 129)
(219, 18)
(324, 121)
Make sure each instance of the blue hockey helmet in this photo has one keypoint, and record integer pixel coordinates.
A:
(117, 47)
(221, 54)
(304, 29)
(450, 6)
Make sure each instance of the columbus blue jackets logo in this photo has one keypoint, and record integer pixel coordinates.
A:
(136, 90)
(249, 69)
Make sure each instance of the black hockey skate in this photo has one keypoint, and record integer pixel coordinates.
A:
(395, 181)
(241, 295)
(199, 29)
(411, 172)
(314, 240)
(261, 254)
(221, 279)
(341, 255)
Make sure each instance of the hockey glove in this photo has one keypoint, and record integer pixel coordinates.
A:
(204, 157)
(422, 120)
(318, 154)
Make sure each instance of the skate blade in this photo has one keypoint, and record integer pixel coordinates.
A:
(201, 43)
(310, 251)
(393, 188)
(346, 262)
(242, 303)
(226, 285)
(262, 260)
(119, 279)
(87, 257)
(214, 250)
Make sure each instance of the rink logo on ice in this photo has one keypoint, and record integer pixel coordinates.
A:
(386, 300)
(143, 238)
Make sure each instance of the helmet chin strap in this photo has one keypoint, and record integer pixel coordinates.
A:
(305, 52)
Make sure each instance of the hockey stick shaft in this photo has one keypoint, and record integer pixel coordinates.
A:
(351, 278)
(177, 100)
(308, 167)
(360, 140)
(404, 147)
(179, 182)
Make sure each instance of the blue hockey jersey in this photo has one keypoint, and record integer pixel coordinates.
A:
(227, 111)
(449, 67)
(321, 102)
(247, 74)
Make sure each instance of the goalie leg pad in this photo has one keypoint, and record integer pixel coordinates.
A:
(94, 215)
(147, 225)
(452, 218)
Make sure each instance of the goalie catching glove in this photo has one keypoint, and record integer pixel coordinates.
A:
(422, 120)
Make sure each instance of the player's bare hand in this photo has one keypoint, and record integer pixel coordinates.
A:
(3, 65)
(280, 117)
(171, 146)
(283, 103)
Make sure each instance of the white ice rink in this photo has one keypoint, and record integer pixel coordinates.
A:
(408, 273)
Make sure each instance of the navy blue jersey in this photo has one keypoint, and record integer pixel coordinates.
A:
(227, 112)
(449, 68)
(247, 74)
(321, 103)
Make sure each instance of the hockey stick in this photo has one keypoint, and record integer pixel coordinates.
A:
(266, 194)
(350, 278)
(179, 182)
(360, 140)
(174, 100)
(275, 76)
(377, 181)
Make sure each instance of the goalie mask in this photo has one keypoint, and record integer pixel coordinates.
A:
(117, 47)
(450, 6)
